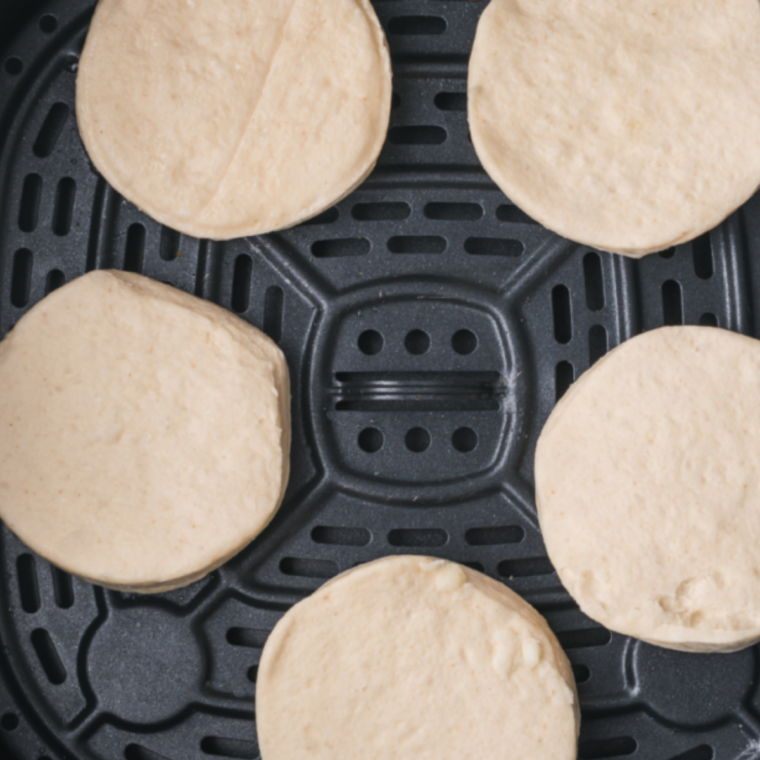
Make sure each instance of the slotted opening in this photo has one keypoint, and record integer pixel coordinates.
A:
(596, 749)
(381, 212)
(417, 440)
(63, 211)
(454, 212)
(672, 306)
(241, 283)
(48, 23)
(702, 752)
(703, 257)
(29, 210)
(253, 673)
(464, 342)
(138, 752)
(9, 721)
(509, 213)
(328, 249)
(55, 278)
(21, 277)
(592, 275)
(417, 244)
(479, 566)
(371, 342)
(417, 342)
(253, 638)
(597, 343)
(239, 749)
(309, 568)
(581, 673)
(273, 312)
(417, 135)
(418, 537)
(134, 250)
(481, 246)
(451, 101)
(584, 638)
(326, 217)
(495, 536)
(169, 245)
(28, 586)
(48, 656)
(564, 375)
(464, 440)
(14, 66)
(563, 321)
(370, 440)
(63, 588)
(341, 536)
(50, 131)
(524, 568)
(668, 253)
(708, 319)
(395, 101)
(409, 25)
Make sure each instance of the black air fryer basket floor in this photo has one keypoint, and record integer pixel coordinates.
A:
(429, 326)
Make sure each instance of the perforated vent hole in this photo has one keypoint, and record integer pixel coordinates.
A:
(418, 537)
(253, 638)
(703, 257)
(370, 342)
(417, 342)
(564, 375)
(9, 721)
(48, 656)
(525, 568)
(451, 101)
(51, 130)
(28, 587)
(326, 217)
(381, 212)
(513, 215)
(464, 342)
(597, 343)
(417, 135)
(48, 23)
(253, 673)
(134, 249)
(417, 440)
(594, 281)
(14, 66)
(668, 253)
(596, 749)
(480, 246)
(138, 752)
(370, 440)
(464, 440)
(29, 210)
(340, 536)
(496, 536)
(54, 279)
(454, 212)
(584, 638)
(703, 752)
(672, 305)
(563, 322)
(239, 749)
(274, 306)
(63, 212)
(328, 249)
(417, 244)
(241, 283)
(708, 320)
(63, 588)
(395, 101)
(581, 673)
(169, 245)
(309, 568)
(21, 278)
(406, 25)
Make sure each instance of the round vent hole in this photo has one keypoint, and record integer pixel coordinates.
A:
(370, 440)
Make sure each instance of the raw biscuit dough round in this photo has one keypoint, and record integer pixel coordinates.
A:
(630, 127)
(225, 119)
(648, 489)
(411, 658)
(146, 432)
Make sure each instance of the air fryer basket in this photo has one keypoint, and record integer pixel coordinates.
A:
(430, 327)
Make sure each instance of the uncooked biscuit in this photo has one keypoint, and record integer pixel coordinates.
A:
(630, 127)
(146, 432)
(234, 118)
(410, 658)
(648, 489)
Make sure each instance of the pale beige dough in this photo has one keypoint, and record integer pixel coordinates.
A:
(145, 432)
(224, 119)
(648, 489)
(627, 126)
(411, 658)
